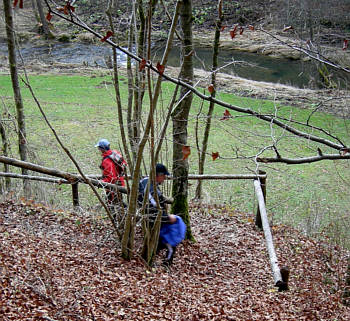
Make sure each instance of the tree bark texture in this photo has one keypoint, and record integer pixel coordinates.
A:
(180, 120)
(22, 144)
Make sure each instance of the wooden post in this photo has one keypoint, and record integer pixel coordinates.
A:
(75, 194)
(258, 221)
(283, 285)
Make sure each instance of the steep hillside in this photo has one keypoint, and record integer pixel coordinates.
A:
(66, 266)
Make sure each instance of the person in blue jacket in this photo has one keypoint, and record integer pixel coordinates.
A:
(173, 229)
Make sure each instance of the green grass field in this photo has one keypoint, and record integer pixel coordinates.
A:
(82, 109)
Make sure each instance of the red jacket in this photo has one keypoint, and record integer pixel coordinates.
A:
(110, 172)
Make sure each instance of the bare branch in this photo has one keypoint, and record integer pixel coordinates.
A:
(214, 100)
(310, 53)
(304, 160)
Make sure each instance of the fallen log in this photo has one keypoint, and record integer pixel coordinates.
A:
(71, 178)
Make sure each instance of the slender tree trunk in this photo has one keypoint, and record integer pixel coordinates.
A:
(211, 105)
(151, 236)
(22, 142)
(116, 86)
(131, 87)
(139, 88)
(4, 151)
(180, 120)
(43, 21)
(139, 81)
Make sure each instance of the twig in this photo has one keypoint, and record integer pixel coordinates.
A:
(304, 160)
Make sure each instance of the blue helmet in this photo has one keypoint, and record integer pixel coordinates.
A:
(103, 144)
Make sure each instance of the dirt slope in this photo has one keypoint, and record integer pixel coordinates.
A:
(64, 266)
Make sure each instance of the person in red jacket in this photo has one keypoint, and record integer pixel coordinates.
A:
(113, 168)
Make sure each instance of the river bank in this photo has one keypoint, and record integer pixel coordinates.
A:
(336, 102)
(272, 44)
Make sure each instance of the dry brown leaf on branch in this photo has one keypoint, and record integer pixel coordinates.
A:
(186, 151)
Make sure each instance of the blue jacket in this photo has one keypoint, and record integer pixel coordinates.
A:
(173, 233)
(152, 205)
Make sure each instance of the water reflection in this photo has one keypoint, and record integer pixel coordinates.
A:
(253, 66)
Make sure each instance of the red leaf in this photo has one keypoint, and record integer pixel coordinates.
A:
(345, 44)
(287, 28)
(21, 4)
(49, 16)
(214, 155)
(15, 3)
(160, 68)
(223, 28)
(251, 27)
(241, 30)
(186, 151)
(108, 35)
(71, 8)
(66, 9)
(235, 28)
(232, 34)
(142, 64)
(211, 88)
(227, 115)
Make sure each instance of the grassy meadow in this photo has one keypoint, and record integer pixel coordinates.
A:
(82, 109)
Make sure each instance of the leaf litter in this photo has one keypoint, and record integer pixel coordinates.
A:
(56, 265)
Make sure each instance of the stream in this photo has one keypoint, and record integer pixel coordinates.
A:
(246, 65)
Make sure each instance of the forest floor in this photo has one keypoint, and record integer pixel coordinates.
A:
(57, 265)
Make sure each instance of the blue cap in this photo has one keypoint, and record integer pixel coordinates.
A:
(103, 144)
(161, 169)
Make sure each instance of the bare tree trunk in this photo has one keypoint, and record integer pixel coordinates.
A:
(211, 105)
(4, 150)
(131, 86)
(139, 81)
(139, 88)
(22, 142)
(116, 87)
(180, 120)
(43, 21)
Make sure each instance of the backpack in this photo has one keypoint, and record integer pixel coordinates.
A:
(118, 161)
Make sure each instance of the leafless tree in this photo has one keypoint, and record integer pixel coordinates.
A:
(11, 44)
(203, 150)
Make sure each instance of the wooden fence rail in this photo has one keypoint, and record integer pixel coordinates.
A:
(74, 180)
(280, 276)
